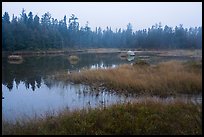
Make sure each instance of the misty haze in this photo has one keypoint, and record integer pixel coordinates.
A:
(102, 68)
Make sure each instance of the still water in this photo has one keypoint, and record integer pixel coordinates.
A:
(28, 90)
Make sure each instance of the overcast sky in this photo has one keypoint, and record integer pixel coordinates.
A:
(141, 15)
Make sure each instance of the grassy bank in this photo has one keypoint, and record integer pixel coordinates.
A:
(162, 79)
(137, 118)
(61, 51)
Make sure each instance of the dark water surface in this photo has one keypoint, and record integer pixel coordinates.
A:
(28, 90)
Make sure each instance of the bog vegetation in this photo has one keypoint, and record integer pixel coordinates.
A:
(134, 118)
(165, 78)
(146, 118)
(33, 33)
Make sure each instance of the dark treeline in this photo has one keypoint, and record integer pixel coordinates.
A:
(30, 32)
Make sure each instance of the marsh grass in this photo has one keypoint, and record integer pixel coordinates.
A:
(73, 59)
(141, 62)
(195, 65)
(122, 55)
(15, 59)
(129, 118)
(163, 79)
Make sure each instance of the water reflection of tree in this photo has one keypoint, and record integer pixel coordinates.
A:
(34, 70)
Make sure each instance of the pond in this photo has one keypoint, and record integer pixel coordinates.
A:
(28, 90)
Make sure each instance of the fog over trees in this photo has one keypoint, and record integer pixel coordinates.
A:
(32, 32)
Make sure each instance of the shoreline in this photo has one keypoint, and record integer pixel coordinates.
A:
(162, 53)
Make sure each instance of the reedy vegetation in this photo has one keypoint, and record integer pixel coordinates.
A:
(139, 118)
(162, 79)
(131, 118)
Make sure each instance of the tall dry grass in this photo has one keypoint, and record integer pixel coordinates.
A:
(163, 79)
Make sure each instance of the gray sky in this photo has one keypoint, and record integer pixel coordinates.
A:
(141, 15)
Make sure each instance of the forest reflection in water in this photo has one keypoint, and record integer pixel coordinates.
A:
(34, 69)
(28, 89)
